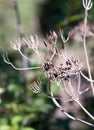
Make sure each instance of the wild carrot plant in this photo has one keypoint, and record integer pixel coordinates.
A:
(60, 73)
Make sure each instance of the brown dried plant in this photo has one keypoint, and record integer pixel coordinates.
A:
(61, 74)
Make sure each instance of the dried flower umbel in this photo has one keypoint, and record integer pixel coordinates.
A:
(87, 4)
(60, 74)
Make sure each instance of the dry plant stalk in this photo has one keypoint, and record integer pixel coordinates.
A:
(87, 5)
(59, 74)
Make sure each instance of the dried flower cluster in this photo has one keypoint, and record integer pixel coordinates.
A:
(64, 71)
(60, 74)
(68, 66)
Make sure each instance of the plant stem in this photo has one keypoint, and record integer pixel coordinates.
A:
(83, 108)
(85, 50)
(20, 33)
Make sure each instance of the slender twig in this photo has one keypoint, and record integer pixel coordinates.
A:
(6, 60)
(54, 52)
(88, 79)
(20, 31)
(79, 83)
(84, 42)
(87, 89)
(63, 38)
(84, 109)
(19, 24)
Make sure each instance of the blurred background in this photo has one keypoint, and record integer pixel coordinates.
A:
(20, 109)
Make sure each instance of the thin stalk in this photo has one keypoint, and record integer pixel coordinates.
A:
(71, 90)
(85, 49)
(84, 109)
(79, 83)
(20, 32)
(89, 80)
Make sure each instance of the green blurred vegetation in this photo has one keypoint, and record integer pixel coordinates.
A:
(20, 109)
(64, 13)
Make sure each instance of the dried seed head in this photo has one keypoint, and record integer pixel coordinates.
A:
(32, 42)
(52, 38)
(16, 45)
(87, 4)
(36, 86)
(48, 65)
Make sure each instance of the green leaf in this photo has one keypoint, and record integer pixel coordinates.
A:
(4, 127)
(16, 120)
(27, 128)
